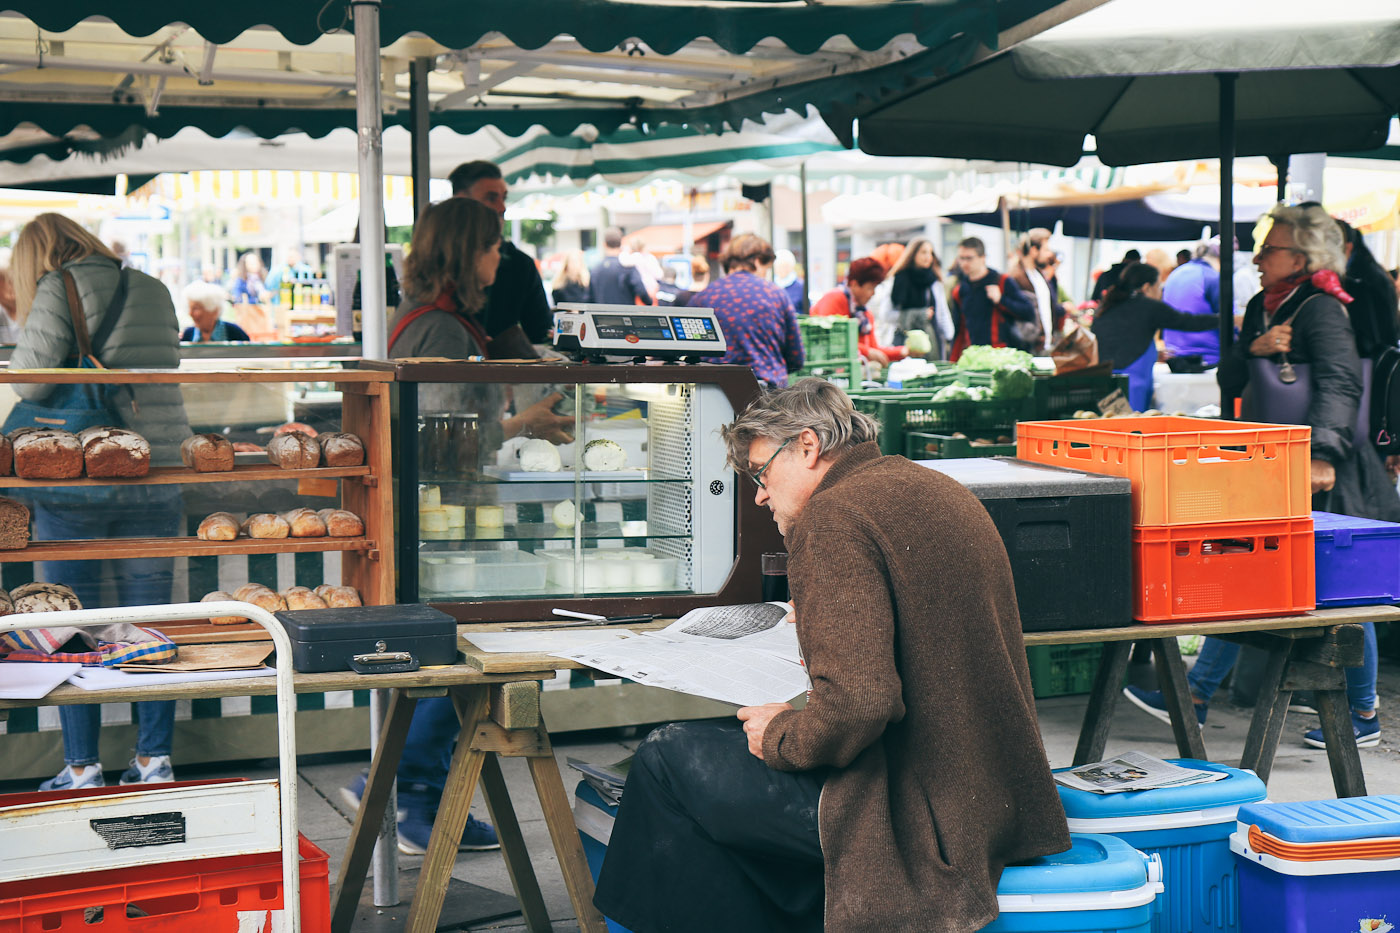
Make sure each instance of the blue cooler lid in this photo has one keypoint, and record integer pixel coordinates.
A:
(1327, 820)
(1241, 787)
(1327, 524)
(1092, 863)
(585, 792)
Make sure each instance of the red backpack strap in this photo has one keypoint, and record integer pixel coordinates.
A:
(472, 327)
(406, 320)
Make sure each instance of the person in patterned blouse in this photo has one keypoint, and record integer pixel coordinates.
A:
(759, 324)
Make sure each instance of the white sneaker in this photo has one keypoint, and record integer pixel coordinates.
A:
(157, 771)
(66, 780)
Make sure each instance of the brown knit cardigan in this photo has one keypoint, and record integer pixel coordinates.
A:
(921, 700)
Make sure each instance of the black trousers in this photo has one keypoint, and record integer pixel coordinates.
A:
(709, 838)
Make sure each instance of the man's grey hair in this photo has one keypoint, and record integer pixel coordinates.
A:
(207, 295)
(782, 414)
(1315, 234)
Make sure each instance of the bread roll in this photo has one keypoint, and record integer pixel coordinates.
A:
(114, 452)
(220, 526)
(7, 456)
(291, 426)
(44, 597)
(342, 524)
(267, 525)
(7, 605)
(207, 453)
(339, 597)
(300, 597)
(305, 523)
(14, 524)
(260, 596)
(341, 450)
(46, 453)
(294, 451)
(221, 596)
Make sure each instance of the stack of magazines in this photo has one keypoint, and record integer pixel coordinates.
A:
(1133, 771)
(607, 780)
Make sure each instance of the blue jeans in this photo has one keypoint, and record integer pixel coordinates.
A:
(141, 581)
(427, 754)
(1218, 657)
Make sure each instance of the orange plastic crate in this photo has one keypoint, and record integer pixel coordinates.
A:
(1185, 470)
(198, 896)
(1236, 570)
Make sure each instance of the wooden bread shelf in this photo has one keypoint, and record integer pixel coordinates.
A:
(163, 476)
(120, 548)
(179, 376)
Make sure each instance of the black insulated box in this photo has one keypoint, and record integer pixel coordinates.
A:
(1068, 534)
(326, 639)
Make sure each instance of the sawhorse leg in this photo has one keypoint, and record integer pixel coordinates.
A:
(1171, 678)
(1108, 682)
(1270, 710)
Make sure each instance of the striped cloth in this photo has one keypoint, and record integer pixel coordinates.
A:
(135, 644)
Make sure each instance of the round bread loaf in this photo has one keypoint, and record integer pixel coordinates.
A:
(260, 596)
(14, 524)
(341, 450)
(110, 452)
(339, 597)
(46, 453)
(44, 597)
(7, 456)
(207, 453)
(220, 596)
(305, 523)
(7, 605)
(341, 523)
(267, 525)
(220, 526)
(294, 451)
(301, 597)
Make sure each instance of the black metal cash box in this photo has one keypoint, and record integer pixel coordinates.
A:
(369, 639)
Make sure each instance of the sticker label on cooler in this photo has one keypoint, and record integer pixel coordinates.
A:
(141, 829)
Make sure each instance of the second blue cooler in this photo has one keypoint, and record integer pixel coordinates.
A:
(1100, 885)
(594, 819)
(1189, 828)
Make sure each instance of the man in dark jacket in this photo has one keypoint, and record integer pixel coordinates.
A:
(517, 296)
(1109, 277)
(611, 282)
(881, 806)
(983, 301)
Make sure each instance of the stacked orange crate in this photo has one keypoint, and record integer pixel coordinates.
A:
(1222, 520)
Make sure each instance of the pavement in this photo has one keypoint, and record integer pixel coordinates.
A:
(1300, 773)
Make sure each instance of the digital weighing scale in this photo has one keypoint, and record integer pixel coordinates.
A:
(589, 331)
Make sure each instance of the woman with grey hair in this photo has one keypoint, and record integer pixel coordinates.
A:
(206, 301)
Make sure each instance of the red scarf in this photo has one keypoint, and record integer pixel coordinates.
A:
(1325, 279)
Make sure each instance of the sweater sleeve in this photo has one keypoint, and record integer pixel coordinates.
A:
(1324, 331)
(1165, 316)
(1016, 302)
(794, 353)
(47, 338)
(845, 624)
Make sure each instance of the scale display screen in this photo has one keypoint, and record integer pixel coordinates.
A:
(622, 326)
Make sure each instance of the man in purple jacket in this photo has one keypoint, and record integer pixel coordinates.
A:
(1194, 288)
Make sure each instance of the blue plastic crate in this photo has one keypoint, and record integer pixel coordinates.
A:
(1358, 560)
(594, 819)
(1189, 828)
(1100, 885)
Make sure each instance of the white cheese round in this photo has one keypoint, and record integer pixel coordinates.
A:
(604, 454)
(564, 514)
(540, 456)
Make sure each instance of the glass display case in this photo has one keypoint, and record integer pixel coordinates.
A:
(524, 487)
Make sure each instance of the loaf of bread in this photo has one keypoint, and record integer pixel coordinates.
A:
(7, 605)
(207, 453)
(266, 525)
(7, 456)
(294, 451)
(14, 524)
(260, 596)
(339, 597)
(46, 453)
(341, 450)
(305, 523)
(220, 526)
(291, 426)
(114, 452)
(44, 597)
(221, 596)
(342, 524)
(301, 597)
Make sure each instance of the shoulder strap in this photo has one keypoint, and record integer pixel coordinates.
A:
(75, 311)
(90, 348)
(406, 320)
(472, 328)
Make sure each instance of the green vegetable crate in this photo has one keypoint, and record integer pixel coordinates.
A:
(829, 341)
(837, 372)
(1058, 397)
(921, 446)
(898, 415)
(1062, 670)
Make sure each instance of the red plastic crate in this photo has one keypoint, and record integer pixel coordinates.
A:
(1235, 570)
(1185, 470)
(200, 896)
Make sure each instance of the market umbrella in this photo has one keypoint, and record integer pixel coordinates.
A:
(1249, 77)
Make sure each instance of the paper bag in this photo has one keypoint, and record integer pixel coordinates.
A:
(1077, 349)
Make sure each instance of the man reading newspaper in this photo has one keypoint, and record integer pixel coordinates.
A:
(914, 773)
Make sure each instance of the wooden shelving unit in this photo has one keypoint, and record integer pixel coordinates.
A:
(160, 476)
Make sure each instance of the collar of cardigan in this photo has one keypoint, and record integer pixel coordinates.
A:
(847, 462)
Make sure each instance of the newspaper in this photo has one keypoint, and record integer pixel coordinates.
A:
(607, 780)
(1133, 771)
(745, 655)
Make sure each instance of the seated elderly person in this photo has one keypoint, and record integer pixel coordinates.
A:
(206, 302)
(915, 773)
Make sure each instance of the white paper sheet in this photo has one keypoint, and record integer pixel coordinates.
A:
(32, 680)
(545, 642)
(105, 678)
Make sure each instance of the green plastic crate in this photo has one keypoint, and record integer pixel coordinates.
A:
(1057, 397)
(830, 340)
(1062, 670)
(919, 445)
(947, 377)
(898, 415)
(836, 372)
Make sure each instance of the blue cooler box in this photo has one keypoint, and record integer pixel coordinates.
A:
(1283, 895)
(594, 819)
(1189, 828)
(1100, 885)
(1358, 560)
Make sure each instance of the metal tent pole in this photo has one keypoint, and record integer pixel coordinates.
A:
(369, 119)
(1227, 228)
(806, 272)
(418, 108)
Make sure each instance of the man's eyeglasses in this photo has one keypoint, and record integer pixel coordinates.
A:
(757, 476)
(1266, 250)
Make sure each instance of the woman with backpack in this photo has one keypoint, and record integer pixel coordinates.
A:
(919, 298)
